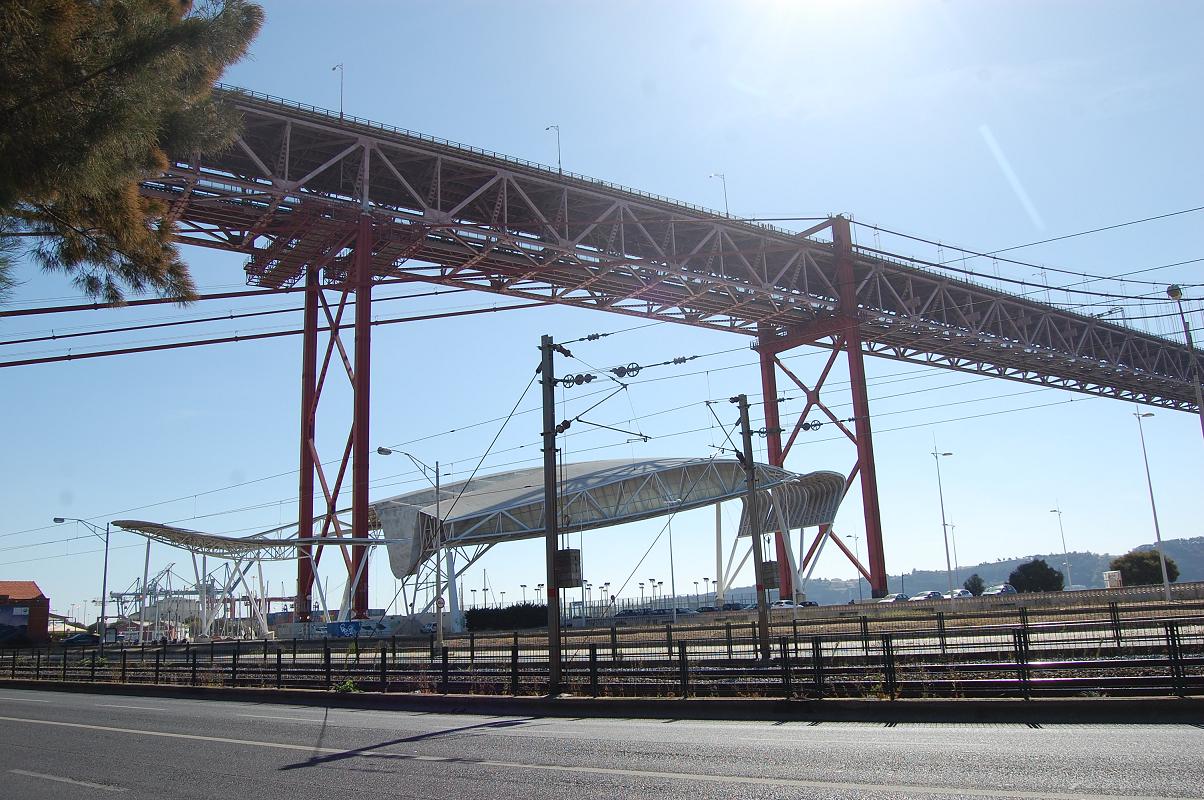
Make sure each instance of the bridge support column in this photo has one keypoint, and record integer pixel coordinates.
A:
(362, 385)
(305, 488)
(840, 332)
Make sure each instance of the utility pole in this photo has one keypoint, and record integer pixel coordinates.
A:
(548, 381)
(750, 477)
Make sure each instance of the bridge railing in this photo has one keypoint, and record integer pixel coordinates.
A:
(449, 143)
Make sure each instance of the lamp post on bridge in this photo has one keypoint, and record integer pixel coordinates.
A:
(104, 580)
(339, 67)
(1175, 293)
(559, 165)
(723, 180)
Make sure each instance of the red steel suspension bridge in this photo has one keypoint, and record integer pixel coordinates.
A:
(336, 204)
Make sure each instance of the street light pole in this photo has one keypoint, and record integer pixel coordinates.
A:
(1176, 294)
(1166, 584)
(559, 166)
(944, 527)
(723, 179)
(857, 551)
(339, 67)
(422, 466)
(104, 580)
(1066, 552)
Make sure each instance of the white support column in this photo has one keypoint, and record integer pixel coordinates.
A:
(718, 555)
(453, 593)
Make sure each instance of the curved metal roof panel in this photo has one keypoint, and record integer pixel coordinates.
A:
(509, 506)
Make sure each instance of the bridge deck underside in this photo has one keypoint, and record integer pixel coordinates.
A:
(289, 195)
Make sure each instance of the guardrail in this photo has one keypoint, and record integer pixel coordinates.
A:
(1159, 653)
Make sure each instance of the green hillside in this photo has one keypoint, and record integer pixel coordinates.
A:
(1085, 568)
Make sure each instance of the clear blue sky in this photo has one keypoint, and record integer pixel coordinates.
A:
(980, 124)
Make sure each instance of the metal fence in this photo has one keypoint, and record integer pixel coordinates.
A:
(1151, 649)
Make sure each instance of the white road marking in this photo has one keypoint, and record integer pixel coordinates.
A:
(940, 791)
(139, 708)
(265, 716)
(23, 700)
(72, 781)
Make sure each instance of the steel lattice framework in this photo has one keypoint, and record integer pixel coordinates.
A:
(338, 202)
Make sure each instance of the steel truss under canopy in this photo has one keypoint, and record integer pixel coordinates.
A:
(339, 203)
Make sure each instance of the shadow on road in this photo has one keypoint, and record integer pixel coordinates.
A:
(317, 760)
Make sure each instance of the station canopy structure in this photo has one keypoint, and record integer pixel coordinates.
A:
(509, 506)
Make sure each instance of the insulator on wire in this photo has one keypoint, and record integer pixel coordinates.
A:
(629, 371)
(812, 426)
(569, 381)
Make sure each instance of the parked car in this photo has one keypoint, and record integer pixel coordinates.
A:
(733, 607)
(681, 611)
(783, 604)
(78, 639)
(1003, 588)
(808, 604)
(893, 598)
(957, 594)
(931, 595)
(707, 609)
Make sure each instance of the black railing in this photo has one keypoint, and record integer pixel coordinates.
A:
(1111, 651)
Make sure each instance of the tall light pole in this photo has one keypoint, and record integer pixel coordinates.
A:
(538, 591)
(339, 67)
(857, 552)
(957, 567)
(425, 469)
(723, 179)
(104, 580)
(474, 597)
(1066, 553)
(559, 166)
(1166, 583)
(1176, 294)
(944, 527)
(523, 586)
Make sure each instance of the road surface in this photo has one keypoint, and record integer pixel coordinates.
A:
(59, 746)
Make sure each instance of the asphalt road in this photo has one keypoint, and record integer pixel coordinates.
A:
(67, 746)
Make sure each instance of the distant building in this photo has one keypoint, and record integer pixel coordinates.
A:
(24, 613)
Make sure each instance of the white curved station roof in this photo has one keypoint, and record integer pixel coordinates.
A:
(509, 506)
(596, 494)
